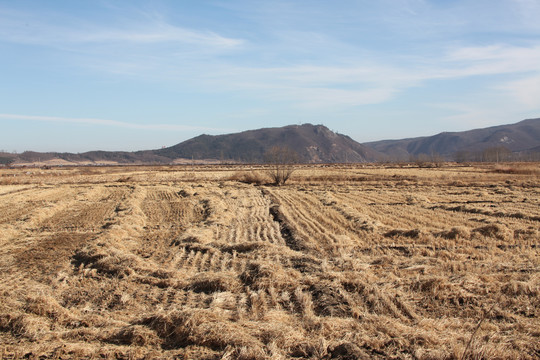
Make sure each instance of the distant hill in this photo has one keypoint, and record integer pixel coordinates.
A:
(522, 137)
(316, 144)
(91, 157)
(312, 143)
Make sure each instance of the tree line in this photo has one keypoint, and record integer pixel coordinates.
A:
(492, 154)
(496, 154)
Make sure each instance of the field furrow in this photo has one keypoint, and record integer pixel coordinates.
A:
(343, 262)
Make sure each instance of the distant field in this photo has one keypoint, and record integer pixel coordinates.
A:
(343, 262)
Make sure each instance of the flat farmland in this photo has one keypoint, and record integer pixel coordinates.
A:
(342, 262)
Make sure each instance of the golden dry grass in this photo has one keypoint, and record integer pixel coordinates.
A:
(207, 262)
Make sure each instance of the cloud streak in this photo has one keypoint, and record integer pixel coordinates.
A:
(318, 86)
(104, 122)
(158, 51)
(26, 28)
(290, 61)
(526, 91)
(493, 60)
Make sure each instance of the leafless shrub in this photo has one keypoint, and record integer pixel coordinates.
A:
(281, 162)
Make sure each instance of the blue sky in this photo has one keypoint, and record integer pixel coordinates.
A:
(132, 75)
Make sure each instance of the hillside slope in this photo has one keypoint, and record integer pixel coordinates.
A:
(312, 143)
(523, 136)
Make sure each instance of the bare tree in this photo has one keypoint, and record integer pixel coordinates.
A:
(281, 161)
(496, 154)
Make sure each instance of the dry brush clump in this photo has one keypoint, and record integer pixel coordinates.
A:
(517, 169)
(356, 263)
(496, 231)
(250, 177)
(457, 232)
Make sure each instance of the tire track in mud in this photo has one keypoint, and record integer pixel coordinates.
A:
(337, 298)
(140, 240)
(28, 239)
(46, 247)
(17, 190)
(86, 217)
(153, 282)
(285, 230)
(235, 250)
(238, 245)
(167, 208)
(486, 212)
(281, 222)
(386, 217)
(38, 259)
(251, 221)
(23, 205)
(308, 233)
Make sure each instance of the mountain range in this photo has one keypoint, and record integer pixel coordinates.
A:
(522, 137)
(312, 144)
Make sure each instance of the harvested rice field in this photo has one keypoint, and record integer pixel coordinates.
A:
(342, 262)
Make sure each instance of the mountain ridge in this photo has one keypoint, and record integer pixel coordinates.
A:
(313, 144)
(523, 136)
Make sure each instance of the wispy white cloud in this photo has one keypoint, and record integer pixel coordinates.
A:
(313, 86)
(368, 82)
(105, 122)
(492, 60)
(314, 98)
(29, 28)
(156, 33)
(475, 113)
(526, 91)
(351, 76)
(297, 62)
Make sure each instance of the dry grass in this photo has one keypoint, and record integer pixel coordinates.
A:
(250, 177)
(196, 262)
(518, 169)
